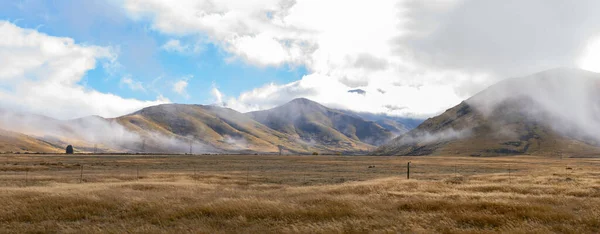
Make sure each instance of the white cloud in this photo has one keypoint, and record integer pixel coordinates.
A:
(217, 95)
(42, 74)
(425, 55)
(174, 45)
(333, 93)
(132, 84)
(181, 85)
(590, 59)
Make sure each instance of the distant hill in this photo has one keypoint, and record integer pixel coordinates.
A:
(210, 128)
(396, 125)
(556, 112)
(16, 142)
(316, 124)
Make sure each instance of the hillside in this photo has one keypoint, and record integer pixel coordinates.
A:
(396, 125)
(555, 113)
(16, 142)
(317, 124)
(216, 129)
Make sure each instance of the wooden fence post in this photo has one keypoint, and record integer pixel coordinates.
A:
(408, 171)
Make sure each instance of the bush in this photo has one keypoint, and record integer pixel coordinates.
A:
(315, 153)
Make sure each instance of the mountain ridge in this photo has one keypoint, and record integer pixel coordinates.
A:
(553, 113)
(185, 128)
(312, 121)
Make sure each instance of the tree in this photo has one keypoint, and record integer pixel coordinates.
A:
(69, 149)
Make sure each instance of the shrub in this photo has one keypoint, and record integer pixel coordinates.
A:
(315, 153)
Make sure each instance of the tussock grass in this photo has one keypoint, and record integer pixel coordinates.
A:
(539, 195)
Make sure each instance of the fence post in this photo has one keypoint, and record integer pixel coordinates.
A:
(81, 174)
(455, 174)
(509, 177)
(408, 171)
(248, 176)
(26, 176)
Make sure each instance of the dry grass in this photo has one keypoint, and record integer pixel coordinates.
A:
(298, 194)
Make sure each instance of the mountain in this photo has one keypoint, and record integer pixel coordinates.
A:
(316, 124)
(301, 126)
(395, 124)
(210, 128)
(217, 129)
(555, 112)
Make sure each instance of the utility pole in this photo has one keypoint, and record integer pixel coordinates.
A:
(143, 145)
(190, 146)
(95, 148)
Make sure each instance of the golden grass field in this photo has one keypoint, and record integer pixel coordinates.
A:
(297, 194)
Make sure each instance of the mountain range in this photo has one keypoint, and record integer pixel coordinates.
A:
(553, 113)
(298, 127)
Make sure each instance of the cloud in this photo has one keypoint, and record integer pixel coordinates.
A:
(329, 91)
(132, 84)
(42, 74)
(505, 38)
(174, 45)
(591, 55)
(217, 95)
(357, 91)
(181, 85)
(370, 62)
(394, 107)
(426, 55)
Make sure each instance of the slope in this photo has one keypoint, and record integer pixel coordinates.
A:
(555, 112)
(211, 128)
(16, 142)
(395, 124)
(314, 123)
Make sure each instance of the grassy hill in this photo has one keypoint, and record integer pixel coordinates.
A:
(16, 142)
(217, 129)
(555, 112)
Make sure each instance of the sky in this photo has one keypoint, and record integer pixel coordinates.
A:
(68, 59)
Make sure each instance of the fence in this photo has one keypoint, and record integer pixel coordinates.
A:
(251, 169)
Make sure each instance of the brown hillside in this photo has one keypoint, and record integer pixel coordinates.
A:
(549, 113)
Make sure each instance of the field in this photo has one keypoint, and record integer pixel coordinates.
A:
(297, 194)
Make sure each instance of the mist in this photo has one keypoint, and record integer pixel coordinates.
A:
(567, 100)
(96, 134)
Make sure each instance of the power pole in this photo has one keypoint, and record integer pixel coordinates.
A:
(143, 145)
(95, 148)
(190, 146)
